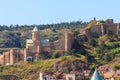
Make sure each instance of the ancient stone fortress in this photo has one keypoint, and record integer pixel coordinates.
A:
(35, 46)
(103, 28)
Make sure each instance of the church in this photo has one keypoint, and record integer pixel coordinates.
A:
(35, 46)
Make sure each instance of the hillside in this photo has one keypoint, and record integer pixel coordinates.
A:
(101, 50)
(30, 71)
(93, 23)
(115, 61)
(16, 35)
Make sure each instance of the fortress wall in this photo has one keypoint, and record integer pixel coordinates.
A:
(59, 45)
(46, 48)
(111, 27)
(6, 57)
(21, 55)
(1, 59)
(118, 26)
(53, 45)
(86, 32)
(25, 54)
(103, 28)
(68, 41)
(96, 29)
(16, 55)
(64, 43)
(109, 21)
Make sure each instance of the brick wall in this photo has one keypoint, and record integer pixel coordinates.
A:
(46, 48)
(6, 57)
(95, 30)
(103, 28)
(59, 45)
(12, 56)
(86, 32)
(68, 41)
(63, 43)
(111, 27)
(1, 59)
(109, 21)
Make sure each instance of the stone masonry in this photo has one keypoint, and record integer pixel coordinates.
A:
(35, 46)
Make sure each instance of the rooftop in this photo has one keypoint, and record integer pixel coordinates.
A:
(35, 29)
(96, 75)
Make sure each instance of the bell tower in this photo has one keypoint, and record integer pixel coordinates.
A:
(35, 34)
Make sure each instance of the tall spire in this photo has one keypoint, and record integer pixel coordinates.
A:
(35, 29)
(96, 75)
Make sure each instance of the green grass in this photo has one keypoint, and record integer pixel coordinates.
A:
(117, 79)
(31, 71)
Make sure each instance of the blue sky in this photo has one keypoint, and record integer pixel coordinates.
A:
(56, 11)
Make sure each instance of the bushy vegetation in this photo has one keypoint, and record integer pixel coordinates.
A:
(30, 71)
(97, 51)
(16, 35)
(116, 66)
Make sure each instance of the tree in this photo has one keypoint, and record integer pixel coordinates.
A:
(83, 38)
(102, 41)
(78, 47)
(56, 55)
(98, 50)
(118, 31)
(92, 42)
(110, 33)
(1, 51)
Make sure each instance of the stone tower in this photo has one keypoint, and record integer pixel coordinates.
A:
(35, 34)
(103, 30)
(68, 41)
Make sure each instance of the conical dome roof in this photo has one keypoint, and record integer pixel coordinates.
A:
(35, 29)
(96, 75)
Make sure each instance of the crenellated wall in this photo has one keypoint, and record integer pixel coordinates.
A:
(103, 28)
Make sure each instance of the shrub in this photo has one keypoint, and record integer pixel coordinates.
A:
(116, 66)
(98, 50)
(92, 67)
(1, 68)
(113, 45)
(64, 58)
(1, 51)
(56, 55)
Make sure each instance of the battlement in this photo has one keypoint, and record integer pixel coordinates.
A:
(102, 28)
(109, 21)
